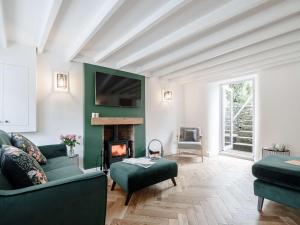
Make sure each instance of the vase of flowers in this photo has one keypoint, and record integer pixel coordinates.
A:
(70, 140)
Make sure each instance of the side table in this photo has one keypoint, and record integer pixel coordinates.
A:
(75, 159)
(270, 151)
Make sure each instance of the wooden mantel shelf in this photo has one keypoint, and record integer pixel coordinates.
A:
(117, 120)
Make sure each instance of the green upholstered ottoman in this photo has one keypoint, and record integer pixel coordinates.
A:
(133, 177)
(277, 180)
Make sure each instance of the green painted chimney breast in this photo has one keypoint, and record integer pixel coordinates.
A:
(93, 134)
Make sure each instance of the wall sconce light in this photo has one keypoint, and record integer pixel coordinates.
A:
(167, 95)
(61, 82)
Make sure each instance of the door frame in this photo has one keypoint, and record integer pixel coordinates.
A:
(253, 79)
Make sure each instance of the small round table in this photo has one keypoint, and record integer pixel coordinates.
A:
(270, 151)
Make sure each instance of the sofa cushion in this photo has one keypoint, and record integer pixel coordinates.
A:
(63, 172)
(58, 162)
(27, 146)
(275, 170)
(20, 168)
(4, 138)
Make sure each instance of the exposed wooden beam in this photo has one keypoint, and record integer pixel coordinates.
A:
(166, 10)
(220, 15)
(274, 45)
(241, 67)
(105, 13)
(3, 37)
(258, 20)
(54, 9)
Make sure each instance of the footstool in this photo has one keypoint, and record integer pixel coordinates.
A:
(277, 181)
(132, 178)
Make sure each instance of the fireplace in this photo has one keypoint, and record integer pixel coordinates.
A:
(118, 150)
(118, 143)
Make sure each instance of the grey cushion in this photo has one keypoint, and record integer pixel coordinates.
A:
(190, 135)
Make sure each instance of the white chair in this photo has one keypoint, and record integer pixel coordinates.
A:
(190, 139)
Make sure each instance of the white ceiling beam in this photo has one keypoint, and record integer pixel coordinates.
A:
(240, 74)
(166, 10)
(53, 12)
(105, 13)
(241, 67)
(236, 73)
(262, 18)
(3, 36)
(282, 52)
(220, 15)
(264, 34)
(273, 45)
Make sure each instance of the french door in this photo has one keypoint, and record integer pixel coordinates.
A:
(227, 117)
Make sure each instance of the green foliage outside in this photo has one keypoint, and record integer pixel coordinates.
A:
(241, 92)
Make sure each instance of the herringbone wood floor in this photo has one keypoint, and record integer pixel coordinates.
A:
(218, 191)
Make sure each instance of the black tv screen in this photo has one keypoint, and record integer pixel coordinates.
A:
(112, 90)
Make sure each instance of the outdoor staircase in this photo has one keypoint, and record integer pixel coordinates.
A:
(243, 130)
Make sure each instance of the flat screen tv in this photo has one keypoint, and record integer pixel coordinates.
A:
(112, 90)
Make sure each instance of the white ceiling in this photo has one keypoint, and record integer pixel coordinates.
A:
(180, 40)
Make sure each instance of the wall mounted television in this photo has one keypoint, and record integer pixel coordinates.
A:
(112, 90)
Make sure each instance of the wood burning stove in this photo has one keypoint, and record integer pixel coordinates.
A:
(118, 143)
(117, 150)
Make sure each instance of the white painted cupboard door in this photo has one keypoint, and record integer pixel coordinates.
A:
(16, 96)
(1, 96)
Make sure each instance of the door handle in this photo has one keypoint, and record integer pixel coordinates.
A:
(6, 121)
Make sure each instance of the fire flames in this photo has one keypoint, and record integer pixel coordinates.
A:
(118, 150)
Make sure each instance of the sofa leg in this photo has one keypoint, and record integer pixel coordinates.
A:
(173, 180)
(113, 185)
(260, 204)
(128, 198)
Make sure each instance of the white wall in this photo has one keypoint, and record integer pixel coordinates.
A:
(58, 113)
(163, 119)
(201, 109)
(279, 107)
(277, 113)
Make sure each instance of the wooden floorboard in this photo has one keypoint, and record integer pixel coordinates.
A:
(216, 192)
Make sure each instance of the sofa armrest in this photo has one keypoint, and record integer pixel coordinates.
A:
(52, 151)
(79, 200)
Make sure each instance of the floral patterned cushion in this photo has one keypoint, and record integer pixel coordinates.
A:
(20, 168)
(27, 146)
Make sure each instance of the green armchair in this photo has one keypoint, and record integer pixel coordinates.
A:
(70, 197)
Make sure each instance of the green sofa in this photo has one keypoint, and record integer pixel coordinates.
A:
(277, 181)
(70, 197)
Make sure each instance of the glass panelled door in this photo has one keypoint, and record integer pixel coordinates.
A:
(227, 119)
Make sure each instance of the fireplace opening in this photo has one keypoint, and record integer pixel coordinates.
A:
(118, 150)
(118, 143)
